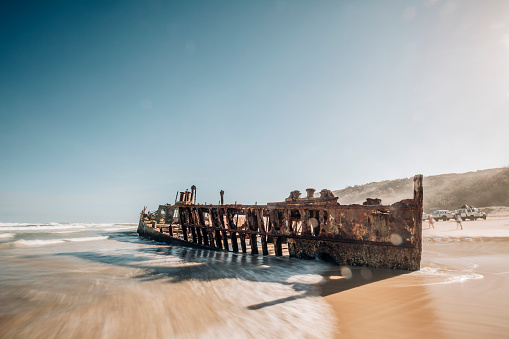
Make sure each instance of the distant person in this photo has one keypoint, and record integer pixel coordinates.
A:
(431, 221)
(458, 221)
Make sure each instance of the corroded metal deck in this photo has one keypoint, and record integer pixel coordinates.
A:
(311, 227)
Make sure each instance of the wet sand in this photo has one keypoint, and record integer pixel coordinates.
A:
(461, 291)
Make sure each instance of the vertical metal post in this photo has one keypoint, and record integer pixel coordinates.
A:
(418, 200)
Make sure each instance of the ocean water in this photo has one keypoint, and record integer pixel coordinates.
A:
(102, 280)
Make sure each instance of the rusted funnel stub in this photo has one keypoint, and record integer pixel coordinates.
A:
(310, 192)
(372, 201)
(295, 195)
(326, 194)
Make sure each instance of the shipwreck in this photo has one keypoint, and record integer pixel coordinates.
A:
(316, 226)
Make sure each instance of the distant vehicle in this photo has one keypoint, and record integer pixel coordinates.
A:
(469, 212)
(424, 216)
(442, 215)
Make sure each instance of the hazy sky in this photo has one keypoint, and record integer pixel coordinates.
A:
(107, 106)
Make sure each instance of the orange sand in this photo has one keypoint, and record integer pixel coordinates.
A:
(462, 290)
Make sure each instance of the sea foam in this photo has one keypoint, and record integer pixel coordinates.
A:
(6, 235)
(52, 226)
(45, 242)
(440, 275)
(23, 242)
(88, 238)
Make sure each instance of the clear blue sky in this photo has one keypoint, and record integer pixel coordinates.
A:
(107, 106)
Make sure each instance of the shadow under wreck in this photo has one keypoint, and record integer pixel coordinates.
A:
(371, 234)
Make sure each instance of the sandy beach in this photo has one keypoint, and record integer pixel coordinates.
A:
(461, 291)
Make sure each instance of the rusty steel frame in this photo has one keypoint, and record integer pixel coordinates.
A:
(370, 234)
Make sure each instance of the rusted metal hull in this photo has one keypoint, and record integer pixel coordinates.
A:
(369, 235)
(357, 254)
(154, 234)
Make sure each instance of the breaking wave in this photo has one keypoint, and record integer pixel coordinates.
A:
(5, 226)
(6, 235)
(88, 238)
(446, 276)
(440, 275)
(45, 242)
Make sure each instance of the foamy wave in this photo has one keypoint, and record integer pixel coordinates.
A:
(88, 238)
(11, 224)
(28, 224)
(23, 243)
(66, 232)
(303, 313)
(6, 235)
(437, 275)
(305, 278)
(36, 228)
(59, 226)
(39, 242)
(114, 229)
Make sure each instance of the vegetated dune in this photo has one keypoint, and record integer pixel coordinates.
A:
(446, 191)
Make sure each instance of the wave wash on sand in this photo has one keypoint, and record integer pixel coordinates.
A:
(114, 284)
(105, 281)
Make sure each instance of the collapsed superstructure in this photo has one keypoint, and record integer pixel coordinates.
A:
(308, 227)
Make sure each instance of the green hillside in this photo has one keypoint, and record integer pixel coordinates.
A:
(446, 191)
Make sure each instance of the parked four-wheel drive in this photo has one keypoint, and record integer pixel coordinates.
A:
(469, 212)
